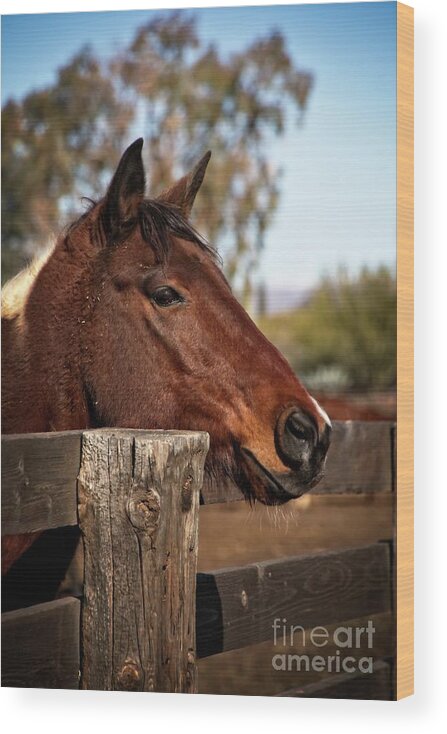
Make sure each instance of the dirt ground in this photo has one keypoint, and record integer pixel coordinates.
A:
(235, 534)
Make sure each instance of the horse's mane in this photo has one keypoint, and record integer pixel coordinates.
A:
(158, 222)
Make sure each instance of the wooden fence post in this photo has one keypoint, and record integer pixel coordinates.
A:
(138, 513)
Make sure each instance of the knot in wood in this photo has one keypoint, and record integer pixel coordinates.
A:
(191, 673)
(191, 657)
(129, 677)
(187, 488)
(144, 511)
(244, 599)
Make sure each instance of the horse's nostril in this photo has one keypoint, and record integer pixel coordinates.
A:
(302, 427)
(297, 438)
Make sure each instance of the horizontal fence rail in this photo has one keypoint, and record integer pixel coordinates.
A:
(360, 460)
(39, 481)
(40, 645)
(40, 471)
(237, 607)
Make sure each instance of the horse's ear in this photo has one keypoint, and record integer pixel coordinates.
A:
(126, 190)
(184, 191)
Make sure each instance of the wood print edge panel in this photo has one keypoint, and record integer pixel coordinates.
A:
(405, 355)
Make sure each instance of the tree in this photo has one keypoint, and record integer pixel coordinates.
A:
(55, 144)
(348, 326)
(184, 99)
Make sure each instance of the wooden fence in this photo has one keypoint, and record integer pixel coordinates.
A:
(145, 615)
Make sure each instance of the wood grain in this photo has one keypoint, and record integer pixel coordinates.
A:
(237, 607)
(39, 473)
(138, 510)
(359, 461)
(359, 458)
(405, 355)
(40, 645)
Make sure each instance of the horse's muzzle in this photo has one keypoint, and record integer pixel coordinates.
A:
(302, 446)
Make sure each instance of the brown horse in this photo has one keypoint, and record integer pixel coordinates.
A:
(130, 322)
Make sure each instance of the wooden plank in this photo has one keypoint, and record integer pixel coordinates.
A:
(219, 491)
(40, 645)
(328, 587)
(405, 353)
(257, 675)
(39, 473)
(359, 460)
(227, 605)
(375, 686)
(138, 511)
(237, 607)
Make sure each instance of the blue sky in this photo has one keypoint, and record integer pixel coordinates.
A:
(337, 204)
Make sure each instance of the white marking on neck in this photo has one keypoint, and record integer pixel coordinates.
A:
(16, 291)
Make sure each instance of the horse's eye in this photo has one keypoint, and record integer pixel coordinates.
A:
(166, 296)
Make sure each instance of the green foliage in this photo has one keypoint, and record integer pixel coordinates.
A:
(183, 98)
(344, 334)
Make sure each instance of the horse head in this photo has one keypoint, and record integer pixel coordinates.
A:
(148, 334)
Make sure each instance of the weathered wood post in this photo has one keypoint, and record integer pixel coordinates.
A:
(138, 513)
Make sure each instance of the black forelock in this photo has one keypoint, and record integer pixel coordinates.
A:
(160, 220)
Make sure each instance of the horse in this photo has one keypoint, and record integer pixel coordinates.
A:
(130, 322)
